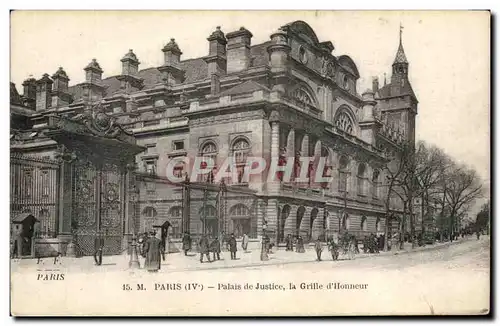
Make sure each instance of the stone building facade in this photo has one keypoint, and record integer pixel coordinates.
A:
(290, 96)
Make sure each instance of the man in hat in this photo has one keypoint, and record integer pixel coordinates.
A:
(233, 247)
(319, 248)
(215, 248)
(153, 250)
(186, 242)
(204, 246)
(289, 243)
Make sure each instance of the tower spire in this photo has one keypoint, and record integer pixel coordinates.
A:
(400, 55)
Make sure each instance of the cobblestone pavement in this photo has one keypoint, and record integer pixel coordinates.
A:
(178, 262)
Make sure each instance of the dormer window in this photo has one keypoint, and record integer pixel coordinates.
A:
(345, 82)
(303, 55)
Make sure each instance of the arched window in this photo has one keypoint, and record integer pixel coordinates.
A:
(241, 150)
(378, 225)
(239, 210)
(343, 174)
(375, 183)
(344, 122)
(364, 225)
(149, 212)
(302, 96)
(209, 149)
(362, 179)
(346, 223)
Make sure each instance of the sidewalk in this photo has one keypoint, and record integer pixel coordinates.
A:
(177, 262)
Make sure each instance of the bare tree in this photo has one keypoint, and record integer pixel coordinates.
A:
(463, 188)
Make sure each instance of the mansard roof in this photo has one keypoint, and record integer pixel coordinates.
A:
(246, 87)
(195, 70)
(15, 98)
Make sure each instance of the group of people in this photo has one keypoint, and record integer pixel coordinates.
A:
(373, 244)
(206, 245)
(298, 241)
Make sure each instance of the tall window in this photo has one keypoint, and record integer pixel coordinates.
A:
(378, 225)
(150, 167)
(375, 183)
(175, 214)
(362, 179)
(208, 215)
(241, 149)
(364, 225)
(343, 174)
(28, 182)
(149, 214)
(209, 149)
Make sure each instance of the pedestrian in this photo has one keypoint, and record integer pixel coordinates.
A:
(319, 248)
(244, 242)
(264, 248)
(289, 243)
(153, 250)
(186, 242)
(334, 249)
(17, 246)
(233, 247)
(478, 234)
(204, 248)
(215, 248)
(300, 245)
(99, 246)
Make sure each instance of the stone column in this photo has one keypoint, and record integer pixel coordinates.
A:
(274, 185)
(290, 144)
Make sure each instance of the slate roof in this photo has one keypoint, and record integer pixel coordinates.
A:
(15, 98)
(246, 87)
(390, 90)
(195, 70)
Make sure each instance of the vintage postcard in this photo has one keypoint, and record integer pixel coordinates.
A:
(250, 163)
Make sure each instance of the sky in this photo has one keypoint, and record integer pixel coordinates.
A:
(448, 54)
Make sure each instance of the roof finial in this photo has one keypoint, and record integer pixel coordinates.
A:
(400, 33)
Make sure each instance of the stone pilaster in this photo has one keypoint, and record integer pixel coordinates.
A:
(272, 217)
(291, 221)
(305, 224)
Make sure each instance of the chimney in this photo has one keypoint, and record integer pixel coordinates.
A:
(375, 84)
(130, 63)
(216, 59)
(278, 56)
(60, 94)
(43, 90)
(238, 50)
(29, 92)
(93, 90)
(93, 71)
(171, 69)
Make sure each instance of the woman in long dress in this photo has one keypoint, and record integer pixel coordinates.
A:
(153, 250)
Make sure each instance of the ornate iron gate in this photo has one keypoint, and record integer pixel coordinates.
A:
(97, 207)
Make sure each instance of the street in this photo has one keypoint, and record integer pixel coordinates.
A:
(447, 279)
